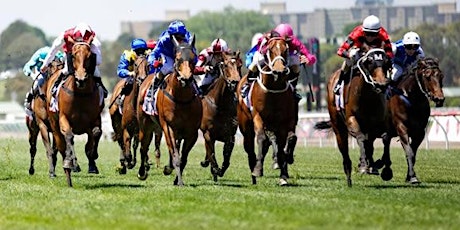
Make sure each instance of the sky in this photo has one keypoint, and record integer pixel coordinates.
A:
(105, 16)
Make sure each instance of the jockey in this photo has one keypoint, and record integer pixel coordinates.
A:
(151, 45)
(206, 59)
(32, 69)
(255, 45)
(406, 52)
(162, 56)
(370, 32)
(298, 54)
(125, 67)
(80, 33)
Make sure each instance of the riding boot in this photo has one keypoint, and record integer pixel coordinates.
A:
(157, 82)
(247, 84)
(295, 76)
(56, 84)
(99, 83)
(339, 83)
(28, 101)
(197, 89)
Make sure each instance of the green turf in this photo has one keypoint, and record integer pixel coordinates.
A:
(318, 197)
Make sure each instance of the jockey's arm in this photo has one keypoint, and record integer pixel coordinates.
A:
(31, 63)
(122, 69)
(96, 49)
(57, 43)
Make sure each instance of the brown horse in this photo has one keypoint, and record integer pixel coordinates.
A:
(363, 115)
(179, 112)
(79, 110)
(125, 124)
(409, 110)
(273, 114)
(219, 121)
(40, 124)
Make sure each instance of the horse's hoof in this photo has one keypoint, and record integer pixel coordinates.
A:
(131, 165)
(167, 170)
(52, 175)
(254, 180)
(373, 171)
(414, 180)
(379, 164)
(204, 164)
(31, 171)
(283, 182)
(122, 170)
(76, 169)
(362, 170)
(387, 174)
(214, 177)
(93, 170)
(275, 165)
(143, 177)
(257, 172)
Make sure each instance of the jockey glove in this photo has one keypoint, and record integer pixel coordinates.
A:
(156, 64)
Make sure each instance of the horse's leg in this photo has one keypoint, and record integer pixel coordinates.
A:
(33, 135)
(145, 137)
(69, 159)
(49, 149)
(210, 155)
(387, 172)
(282, 160)
(290, 146)
(260, 138)
(92, 144)
(369, 151)
(272, 140)
(127, 148)
(186, 147)
(158, 136)
(415, 142)
(341, 135)
(355, 131)
(135, 141)
(227, 152)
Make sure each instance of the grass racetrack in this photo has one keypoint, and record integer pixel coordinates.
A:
(318, 197)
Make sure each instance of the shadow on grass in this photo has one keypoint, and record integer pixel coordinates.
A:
(397, 186)
(443, 182)
(113, 185)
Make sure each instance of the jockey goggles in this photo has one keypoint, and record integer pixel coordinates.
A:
(411, 47)
(371, 34)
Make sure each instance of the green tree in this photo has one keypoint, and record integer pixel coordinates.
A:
(17, 43)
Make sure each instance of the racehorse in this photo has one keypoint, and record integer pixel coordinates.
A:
(409, 110)
(39, 124)
(79, 110)
(219, 121)
(273, 114)
(125, 124)
(364, 108)
(179, 113)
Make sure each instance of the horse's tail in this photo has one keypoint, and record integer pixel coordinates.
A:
(323, 125)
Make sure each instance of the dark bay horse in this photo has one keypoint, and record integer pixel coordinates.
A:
(364, 112)
(179, 112)
(125, 124)
(273, 114)
(409, 111)
(40, 124)
(219, 121)
(79, 111)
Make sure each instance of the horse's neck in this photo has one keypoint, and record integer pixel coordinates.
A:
(217, 90)
(71, 83)
(411, 87)
(174, 86)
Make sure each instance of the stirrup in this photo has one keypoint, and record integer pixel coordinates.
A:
(337, 88)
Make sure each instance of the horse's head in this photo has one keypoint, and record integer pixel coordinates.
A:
(229, 69)
(429, 77)
(375, 67)
(141, 68)
(184, 62)
(83, 62)
(277, 56)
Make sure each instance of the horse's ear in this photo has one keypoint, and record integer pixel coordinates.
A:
(192, 41)
(237, 54)
(175, 42)
(91, 38)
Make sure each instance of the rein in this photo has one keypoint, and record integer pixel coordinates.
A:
(368, 78)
